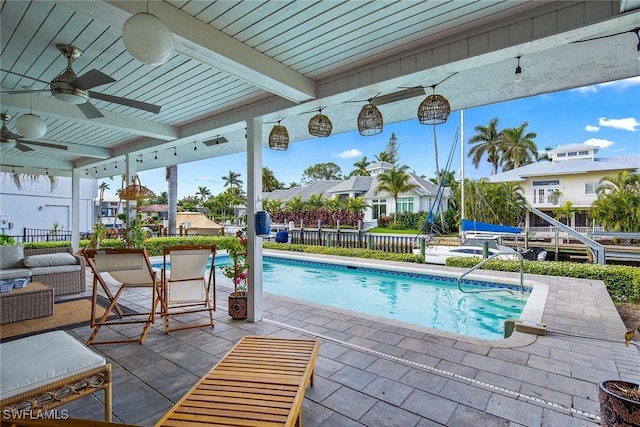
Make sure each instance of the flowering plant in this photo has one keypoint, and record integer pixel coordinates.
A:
(237, 270)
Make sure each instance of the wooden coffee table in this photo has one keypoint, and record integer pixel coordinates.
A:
(34, 300)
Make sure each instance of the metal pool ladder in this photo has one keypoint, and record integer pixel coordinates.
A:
(483, 262)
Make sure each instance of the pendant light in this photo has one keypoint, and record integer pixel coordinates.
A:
(518, 75)
(320, 125)
(279, 138)
(434, 110)
(30, 125)
(147, 38)
(370, 120)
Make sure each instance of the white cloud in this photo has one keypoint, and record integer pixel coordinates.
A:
(618, 85)
(349, 154)
(630, 123)
(591, 128)
(602, 143)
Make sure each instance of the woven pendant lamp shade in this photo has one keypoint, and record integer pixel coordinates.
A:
(320, 125)
(279, 138)
(370, 120)
(434, 110)
(136, 191)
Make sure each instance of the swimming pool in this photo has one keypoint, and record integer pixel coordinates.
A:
(417, 298)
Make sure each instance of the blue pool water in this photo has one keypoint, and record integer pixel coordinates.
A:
(420, 299)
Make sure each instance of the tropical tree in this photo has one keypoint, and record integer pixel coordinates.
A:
(160, 199)
(295, 204)
(618, 205)
(269, 181)
(232, 180)
(395, 181)
(321, 171)
(355, 204)
(518, 147)
(565, 212)
(235, 197)
(273, 206)
(497, 203)
(361, 168)
(489, 142)
(384, 156)
(203, 193)
(316, 202)
(390, 153)
(292, 184)
(172, 179)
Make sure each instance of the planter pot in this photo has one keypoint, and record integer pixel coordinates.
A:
(615, 410)
(237, 306)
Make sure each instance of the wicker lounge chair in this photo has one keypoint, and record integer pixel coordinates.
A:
(186, 288)
(132, 269)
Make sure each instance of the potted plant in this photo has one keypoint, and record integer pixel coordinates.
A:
(237, 272)
(620, 400)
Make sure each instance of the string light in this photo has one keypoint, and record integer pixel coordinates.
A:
(155, 156)
(195, 148)
(518, 76)
(175, 153)
(116, 167)
(47, 172)
(105, 167)
(86, 172)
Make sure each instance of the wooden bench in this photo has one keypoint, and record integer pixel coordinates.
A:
(261, 381)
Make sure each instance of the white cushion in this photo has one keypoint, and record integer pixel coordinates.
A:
(11, 256)
(42, 359)
(50, 260)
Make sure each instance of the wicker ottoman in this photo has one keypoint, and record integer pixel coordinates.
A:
(34, 300)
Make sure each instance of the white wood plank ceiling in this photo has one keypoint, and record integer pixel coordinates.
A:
(237, 60)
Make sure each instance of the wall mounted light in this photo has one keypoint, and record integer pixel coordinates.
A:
(518, 76)
(279, 138)
(147, 39)
(370, 120)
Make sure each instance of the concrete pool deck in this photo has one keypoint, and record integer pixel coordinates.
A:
(375, 372)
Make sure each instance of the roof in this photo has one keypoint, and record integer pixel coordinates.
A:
(154, 208)
(569, 167)
(259, 61)
(355, 184)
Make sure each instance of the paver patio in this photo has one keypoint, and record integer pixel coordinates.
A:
(375, 372)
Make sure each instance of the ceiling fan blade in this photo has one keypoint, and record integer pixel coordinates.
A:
(11, 92)
(126, 102)
(44, 144)
(91, 79)
(23, 147)
(90, 111)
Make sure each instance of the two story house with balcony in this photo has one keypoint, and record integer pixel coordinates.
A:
(573, 174)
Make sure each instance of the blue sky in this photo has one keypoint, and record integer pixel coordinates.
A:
(606, 115)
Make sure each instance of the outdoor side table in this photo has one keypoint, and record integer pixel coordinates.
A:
(34, 300)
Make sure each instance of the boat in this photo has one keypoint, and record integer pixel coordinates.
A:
(470, 247)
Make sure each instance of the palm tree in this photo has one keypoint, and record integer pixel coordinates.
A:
(102, 187)
(565, 212)
(518, 147)
(489, 141)
(269, 181)
(395, 181)
(273, 206)
(618, 204)
(172, 179)
(384, 156)
(295, 204)
(232, 180)
(356, 204)
(620, 182)
(236, 197)
(203, 193)
(361, 168)
(316, 202)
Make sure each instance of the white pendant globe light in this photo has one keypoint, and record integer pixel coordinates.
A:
(147, 39)
(31, 126)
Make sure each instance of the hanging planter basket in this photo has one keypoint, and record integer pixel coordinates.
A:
(136, 191)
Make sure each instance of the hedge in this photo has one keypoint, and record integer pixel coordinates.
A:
(623, 282)
(348, 252)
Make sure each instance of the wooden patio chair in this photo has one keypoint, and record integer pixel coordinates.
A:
(131, 268)
(185, 286)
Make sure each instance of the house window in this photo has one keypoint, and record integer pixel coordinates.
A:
(583, 153)
(561, 155)
(546, 183)
(590, 188)
(379, 208)
(572, 154)
(404, 204)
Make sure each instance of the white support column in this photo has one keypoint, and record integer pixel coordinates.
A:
(75, 209)
(254, 200)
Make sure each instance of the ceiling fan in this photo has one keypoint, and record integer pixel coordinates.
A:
(70, 88)
(6, 136)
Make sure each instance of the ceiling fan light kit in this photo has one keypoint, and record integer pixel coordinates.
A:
(31, 126)
(147, 39)
(370, 120)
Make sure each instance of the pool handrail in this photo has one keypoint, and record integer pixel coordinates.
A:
(483, 262)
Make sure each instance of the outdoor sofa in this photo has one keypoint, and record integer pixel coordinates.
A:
(58, 268)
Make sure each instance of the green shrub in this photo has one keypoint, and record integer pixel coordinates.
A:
(623, 282)
(347, 252)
